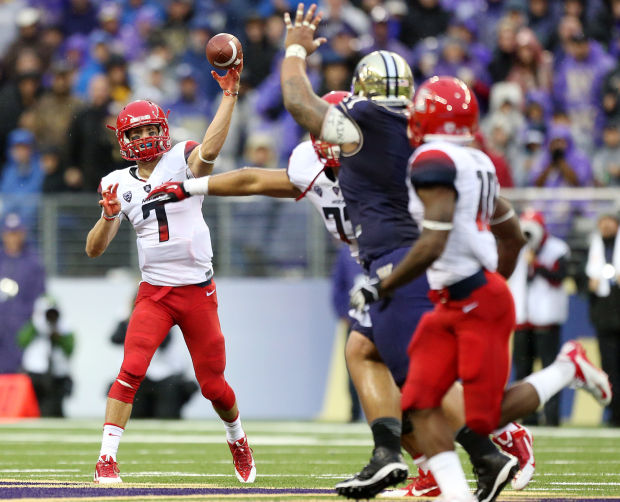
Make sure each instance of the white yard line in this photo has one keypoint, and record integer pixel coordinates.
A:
(275, 427)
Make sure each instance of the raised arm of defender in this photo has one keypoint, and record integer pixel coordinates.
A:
(309, 110)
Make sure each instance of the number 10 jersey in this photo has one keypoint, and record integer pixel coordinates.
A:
(471, 245)
(174, 243)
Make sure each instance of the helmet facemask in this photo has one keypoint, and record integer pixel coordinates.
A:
(138, 114)
(146, 148)
(328, 153)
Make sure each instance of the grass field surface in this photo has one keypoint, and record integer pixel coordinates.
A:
(181, 460)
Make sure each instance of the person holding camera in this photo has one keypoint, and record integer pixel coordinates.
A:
(562, 164)
(48, 344)
(541, 303)
(603, 272)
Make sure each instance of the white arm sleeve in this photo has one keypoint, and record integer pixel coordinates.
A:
(339, 129)
(197, 186)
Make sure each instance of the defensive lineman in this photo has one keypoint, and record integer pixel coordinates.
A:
(174, 249)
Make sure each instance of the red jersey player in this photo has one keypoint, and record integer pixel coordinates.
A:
(454, 198)
(174, 250)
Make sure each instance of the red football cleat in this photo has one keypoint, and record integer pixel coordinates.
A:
(107, 471)
(519, 444)
(423, 485)
(245, 468)
(587, 376)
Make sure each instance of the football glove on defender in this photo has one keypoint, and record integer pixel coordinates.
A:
(171, 191)
(365, 293)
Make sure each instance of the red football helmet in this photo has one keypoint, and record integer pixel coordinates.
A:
(443, 108)
(328, 153)
(136, 114)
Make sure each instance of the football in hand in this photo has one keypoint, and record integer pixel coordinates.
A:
(224, 51)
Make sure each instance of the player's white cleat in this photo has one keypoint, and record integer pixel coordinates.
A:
(587, 376)
(519, 444)
(245, 468)
(107, 471)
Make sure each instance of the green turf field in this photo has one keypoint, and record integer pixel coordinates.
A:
(47, 459)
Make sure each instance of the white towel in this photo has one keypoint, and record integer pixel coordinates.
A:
(596, 262)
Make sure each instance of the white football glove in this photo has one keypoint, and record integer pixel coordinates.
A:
(365, 293)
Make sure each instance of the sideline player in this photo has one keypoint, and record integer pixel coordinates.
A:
(371, 129)
(467, 334)
(174, 249)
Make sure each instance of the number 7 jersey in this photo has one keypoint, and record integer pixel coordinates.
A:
(471, 245)
(174, 243)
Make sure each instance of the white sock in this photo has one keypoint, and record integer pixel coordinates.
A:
(552, 379)
(111, 439)
(511, 427)
(234, 431)
(449, 474)
(421, 462)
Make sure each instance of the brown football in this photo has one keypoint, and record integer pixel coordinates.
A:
(224, 51)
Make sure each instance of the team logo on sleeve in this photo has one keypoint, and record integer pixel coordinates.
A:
(147, 188)
(318, 190)
(127, 196)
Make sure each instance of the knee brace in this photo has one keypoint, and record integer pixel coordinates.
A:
(125, 387)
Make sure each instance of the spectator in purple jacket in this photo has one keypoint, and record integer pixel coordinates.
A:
(562, 164)
(22, 281)
(577, 88)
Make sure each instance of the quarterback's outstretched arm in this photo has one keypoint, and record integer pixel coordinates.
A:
(245, 181)
(202, 158)
(506, 228)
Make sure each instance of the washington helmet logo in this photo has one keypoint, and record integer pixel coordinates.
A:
(127, 196)
(147, 188)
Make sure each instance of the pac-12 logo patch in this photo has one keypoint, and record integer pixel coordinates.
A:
(147, 188)
(127, 196)
(318, 190)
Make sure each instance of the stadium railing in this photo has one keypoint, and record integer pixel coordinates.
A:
(257, 236)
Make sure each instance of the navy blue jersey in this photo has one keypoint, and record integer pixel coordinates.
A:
(372, 179)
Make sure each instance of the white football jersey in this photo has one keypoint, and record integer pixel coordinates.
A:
(471, 245)
(174, 244)
(304, 168)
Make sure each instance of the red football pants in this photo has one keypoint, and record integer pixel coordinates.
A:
(157, 309)
(467, 340)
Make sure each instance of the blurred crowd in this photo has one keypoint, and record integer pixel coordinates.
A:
(545, 73)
